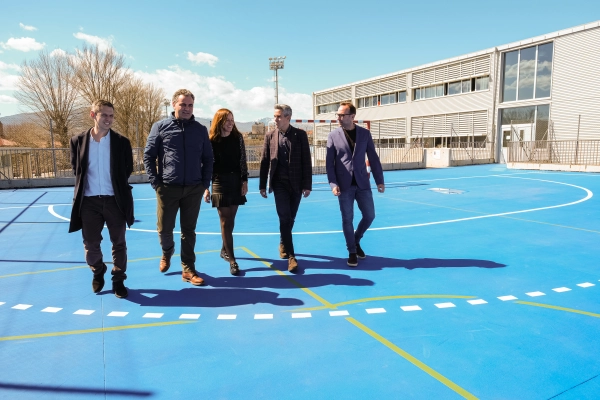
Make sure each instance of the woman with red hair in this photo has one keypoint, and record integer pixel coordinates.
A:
(229, 180)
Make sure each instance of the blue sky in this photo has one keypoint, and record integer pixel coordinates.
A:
(220, 49)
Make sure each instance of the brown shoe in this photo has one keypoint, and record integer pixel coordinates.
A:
(292, 264)
(282, 253)
(192, 278)
(165, 260)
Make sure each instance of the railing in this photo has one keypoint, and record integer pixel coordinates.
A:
(28, 163)
(462, 151)
(566, 152)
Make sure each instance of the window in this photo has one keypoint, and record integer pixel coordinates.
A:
(454, 88)
(388, 98)
(328, 108)
(402, 97)
(370, 101)
(384, 99)
(429, 92)
(527, 73)
(466, 86)
(482, 83)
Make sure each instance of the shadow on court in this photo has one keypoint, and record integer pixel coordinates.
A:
(207, 297)
(71, 390)
(373, 263)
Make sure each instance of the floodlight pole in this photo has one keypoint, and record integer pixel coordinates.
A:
(276, 63)
(166, 103)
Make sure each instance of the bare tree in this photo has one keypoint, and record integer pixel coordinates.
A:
(99, 74)
(46, 88)
(27, 134)
(127, 107)
(151, 101)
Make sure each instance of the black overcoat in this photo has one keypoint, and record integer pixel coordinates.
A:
(121, 167)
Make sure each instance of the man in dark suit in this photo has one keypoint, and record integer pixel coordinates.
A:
(286, 163)
(102, 162)
(347, 149)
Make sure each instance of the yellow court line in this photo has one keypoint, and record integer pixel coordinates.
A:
(95, 330)
(45, 271)
(375, 335)
(572, 310)
(382, 298)
(419, 364)
(306, 290)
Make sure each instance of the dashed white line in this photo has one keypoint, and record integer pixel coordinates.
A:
(375, 310)
(339, 313)
(301, 315)
(445, 305)
(84, 312)
(153, 315)
(507, 298)
(51, 309)
(477, 302)
(561, 289)
(263, 316)
(535, 294)
(189, 316)
(117, 314)
(411, 308)
(227, 316)
(585, 284)
(22, 306)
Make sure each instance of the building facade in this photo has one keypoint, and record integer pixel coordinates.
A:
(546, 87)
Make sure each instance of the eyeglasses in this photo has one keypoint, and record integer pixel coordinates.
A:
(341, 115)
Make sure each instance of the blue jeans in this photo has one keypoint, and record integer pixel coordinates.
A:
(364, 199)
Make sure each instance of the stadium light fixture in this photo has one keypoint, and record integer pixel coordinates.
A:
(275, 64)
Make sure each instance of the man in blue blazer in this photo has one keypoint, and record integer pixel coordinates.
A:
(348, 147)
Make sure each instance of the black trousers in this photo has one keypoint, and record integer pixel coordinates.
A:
(287, 202)
(95, 211)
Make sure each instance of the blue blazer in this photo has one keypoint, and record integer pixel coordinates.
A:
(341, 163)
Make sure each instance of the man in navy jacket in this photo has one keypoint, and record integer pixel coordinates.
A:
(178, 159)
(347, 147)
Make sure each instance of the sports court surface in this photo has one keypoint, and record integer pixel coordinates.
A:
(479, 282)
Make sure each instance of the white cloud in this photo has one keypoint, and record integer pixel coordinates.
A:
(8, 80)
(27, 27)
(202, 58)
(58, 52)
(4, 99)
(22, 44)
(216, 92)
(103, 43)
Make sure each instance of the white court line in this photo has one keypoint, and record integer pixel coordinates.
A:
(588, 196)
(561, 289)
(263, 316)
(476, 302)
(375, 310)
(117, 314)
(445, 305)
(507, 298)
(535, 294)
(338, 313)
(189, 316)
(153, 315)
(585, 284)
(84, 312)
(227, 316)
(51, 309)
(301, 315)
(411, 308)
(22, 306)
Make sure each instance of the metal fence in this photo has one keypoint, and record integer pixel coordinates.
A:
(30, 163)
(471, 151)
(566, 152)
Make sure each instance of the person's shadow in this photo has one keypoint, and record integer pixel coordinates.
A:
(372, 263)
(206, 297)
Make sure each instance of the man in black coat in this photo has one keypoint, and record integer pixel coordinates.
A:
(287, 166)
(102, 162)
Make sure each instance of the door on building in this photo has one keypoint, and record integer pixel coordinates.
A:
(517, 133)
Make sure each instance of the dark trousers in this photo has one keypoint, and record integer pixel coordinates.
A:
(287, 202)
(185, 200)
(95, 211)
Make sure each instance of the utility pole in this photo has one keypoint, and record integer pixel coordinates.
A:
(166, 103)
(276, 63)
